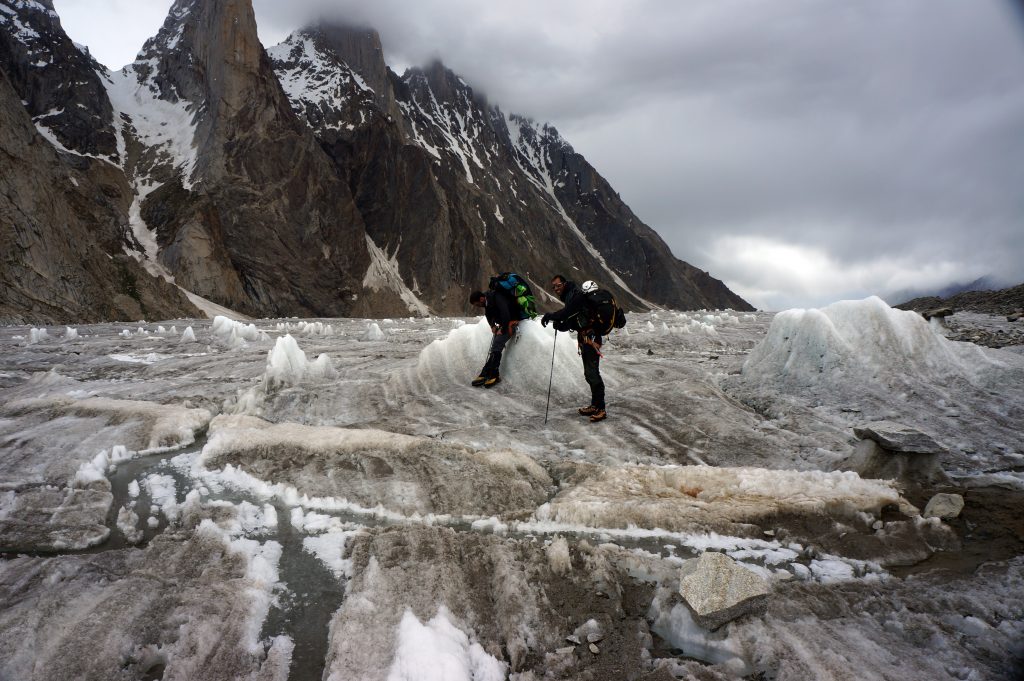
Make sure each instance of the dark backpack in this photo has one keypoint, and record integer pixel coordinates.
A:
(605, 313)
(516, 288)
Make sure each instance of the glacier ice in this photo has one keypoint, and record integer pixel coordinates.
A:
(213, 493)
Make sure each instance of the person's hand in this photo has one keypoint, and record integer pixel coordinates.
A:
(545, 319)
(512, 326)
(495, 328)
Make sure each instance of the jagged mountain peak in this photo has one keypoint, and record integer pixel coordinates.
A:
(204, 67)
(270, 226)
(163, 50)
(322, 88)
(208, 50)
(444, 85)
(56, 79)
(359, 47)
(536, 133)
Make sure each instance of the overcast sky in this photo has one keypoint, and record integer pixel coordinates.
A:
(803, 151)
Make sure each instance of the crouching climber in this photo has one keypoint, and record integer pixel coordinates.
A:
(503, 320)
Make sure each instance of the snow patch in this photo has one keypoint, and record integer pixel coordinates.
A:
(383, 273)
(167, 127)
(262, 577)
(329, 548)
(439, 651)
(96, 469)
(163, 494)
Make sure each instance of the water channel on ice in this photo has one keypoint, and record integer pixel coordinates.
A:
(307, 499)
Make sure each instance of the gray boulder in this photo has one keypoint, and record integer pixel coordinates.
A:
(944, 506)
(718, 590)
(939, 312)
(871, 460)
(897, 437)
(893, 451)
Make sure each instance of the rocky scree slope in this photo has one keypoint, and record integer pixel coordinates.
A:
(977, 327)
(1002, 302)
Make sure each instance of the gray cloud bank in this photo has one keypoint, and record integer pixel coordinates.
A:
(801, 150)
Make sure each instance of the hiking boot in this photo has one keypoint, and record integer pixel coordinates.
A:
(492, 381)
(479, 381)
(599, 415)
(588, 411)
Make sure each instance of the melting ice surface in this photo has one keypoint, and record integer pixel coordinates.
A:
(312, 499)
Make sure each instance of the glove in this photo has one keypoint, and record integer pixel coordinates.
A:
(545, 319)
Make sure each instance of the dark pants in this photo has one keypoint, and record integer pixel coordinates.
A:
(592, 372)
(493, 363)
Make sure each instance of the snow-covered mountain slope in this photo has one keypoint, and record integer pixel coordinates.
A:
(57, 81)
(507, 183)
(157, 112)
(320, 86)
(58, 228)
(233, 197)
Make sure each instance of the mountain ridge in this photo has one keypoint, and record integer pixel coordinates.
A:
(1003, 301)
(310, 179)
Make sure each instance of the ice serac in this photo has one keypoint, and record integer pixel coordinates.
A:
(260, 222)
(452, 190)
(53, 221)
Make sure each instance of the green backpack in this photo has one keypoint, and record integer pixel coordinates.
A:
(516, 287)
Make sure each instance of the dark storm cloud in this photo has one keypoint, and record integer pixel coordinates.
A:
(802, 150)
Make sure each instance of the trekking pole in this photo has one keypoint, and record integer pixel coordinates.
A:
(546, 406)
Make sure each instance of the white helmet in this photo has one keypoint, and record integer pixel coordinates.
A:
(589, 287)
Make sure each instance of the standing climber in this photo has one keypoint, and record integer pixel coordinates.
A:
(503, 318)
(575, 316)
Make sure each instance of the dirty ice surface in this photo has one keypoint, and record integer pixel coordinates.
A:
(331, 499)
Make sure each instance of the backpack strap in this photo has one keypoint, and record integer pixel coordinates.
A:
(588, 339)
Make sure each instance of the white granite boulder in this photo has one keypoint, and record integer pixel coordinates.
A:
(718, 590)
(944, 506)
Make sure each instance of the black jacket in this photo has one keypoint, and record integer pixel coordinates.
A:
(499, 310)
(575, 314)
